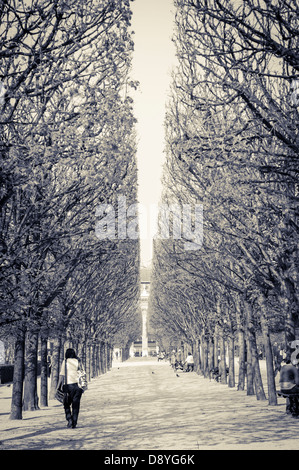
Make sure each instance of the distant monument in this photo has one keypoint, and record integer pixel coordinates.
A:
(146, 345)
(145, 288)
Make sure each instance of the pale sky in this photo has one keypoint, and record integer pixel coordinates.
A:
(153, 59)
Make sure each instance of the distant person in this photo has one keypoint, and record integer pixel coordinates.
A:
(289, 385)
(190, 363)
(289, 378)
(173, 359)
(179, 358)
(277, 359)
(72, 407)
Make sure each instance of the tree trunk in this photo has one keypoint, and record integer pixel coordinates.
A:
(269, 356)
(196, 355)
(241, 342)
(258, 384)
(109, 356)
(88, 371)
(290, 320)
(102, 357)
(216, 345)
(55, 369)
(231, 362)
(204, 355)
(18, 376)
(92, 360)
(249, 368)
(95, 361)
(44, 370)
(82, 353)
(211, 355)
(30, 383)
(123, 356)
(222, 363)
(199, 359)
(106, 359)
(206, 358)
(100, 353)
(242, 359)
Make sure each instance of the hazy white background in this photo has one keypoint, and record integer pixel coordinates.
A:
(153, 59)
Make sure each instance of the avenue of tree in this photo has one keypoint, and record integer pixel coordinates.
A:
(232, 146)
(67, 145)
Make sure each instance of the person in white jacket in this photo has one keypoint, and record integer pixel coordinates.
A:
(71, 406)
(190, 363)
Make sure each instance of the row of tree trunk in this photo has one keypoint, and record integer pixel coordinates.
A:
(96, 358)
(218, 351)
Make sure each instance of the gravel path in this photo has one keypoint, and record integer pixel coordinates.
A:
(142, 405)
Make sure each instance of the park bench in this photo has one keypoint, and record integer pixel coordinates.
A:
(292, 404)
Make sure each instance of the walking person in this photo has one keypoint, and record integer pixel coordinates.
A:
(179, 360)
(190, 363)
(289, 385)
(173, 359)
(71, 406)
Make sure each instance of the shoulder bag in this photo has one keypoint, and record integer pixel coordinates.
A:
(82, 379)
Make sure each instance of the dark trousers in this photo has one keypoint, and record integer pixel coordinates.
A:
(292, 404)
(75, 393)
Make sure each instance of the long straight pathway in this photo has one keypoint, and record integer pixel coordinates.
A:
(141, 404)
